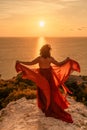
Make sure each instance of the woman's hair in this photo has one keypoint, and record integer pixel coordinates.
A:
(45, 51)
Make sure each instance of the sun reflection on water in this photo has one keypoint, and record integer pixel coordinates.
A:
(41, 41)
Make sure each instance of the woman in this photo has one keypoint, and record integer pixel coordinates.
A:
(49, 79)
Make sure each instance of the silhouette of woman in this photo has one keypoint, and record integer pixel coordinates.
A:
(49, 79)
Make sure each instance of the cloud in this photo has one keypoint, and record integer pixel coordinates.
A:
(9, 8)
(82, 28)
(28, 7)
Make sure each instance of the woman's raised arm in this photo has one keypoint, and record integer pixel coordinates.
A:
(35, 61)
(59, 63)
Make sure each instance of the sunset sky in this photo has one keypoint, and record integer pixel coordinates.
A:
(61, 18)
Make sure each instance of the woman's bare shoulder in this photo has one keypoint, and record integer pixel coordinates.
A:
(52, 58)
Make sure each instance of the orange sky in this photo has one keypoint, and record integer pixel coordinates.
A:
(62, 18)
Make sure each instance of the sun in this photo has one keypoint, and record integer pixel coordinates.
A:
(41, 23)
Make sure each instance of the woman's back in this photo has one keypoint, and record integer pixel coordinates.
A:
(44, 62)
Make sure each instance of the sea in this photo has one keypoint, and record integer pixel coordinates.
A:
(28, 48)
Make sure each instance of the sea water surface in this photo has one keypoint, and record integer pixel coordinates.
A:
(27, 48)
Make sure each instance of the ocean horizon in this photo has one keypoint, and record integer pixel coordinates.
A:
(27, 48)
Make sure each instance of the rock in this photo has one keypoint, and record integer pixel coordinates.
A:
(24, 114)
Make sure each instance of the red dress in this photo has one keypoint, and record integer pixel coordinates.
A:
(50, 100)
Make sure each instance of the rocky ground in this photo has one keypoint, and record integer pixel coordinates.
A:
(24, 114)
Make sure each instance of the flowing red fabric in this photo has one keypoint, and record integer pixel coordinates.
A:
(50, 100)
